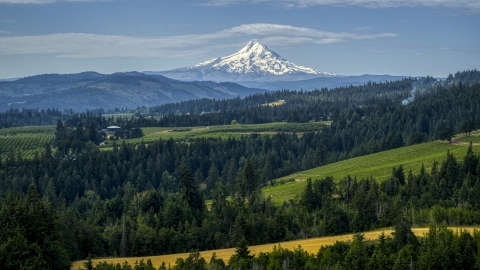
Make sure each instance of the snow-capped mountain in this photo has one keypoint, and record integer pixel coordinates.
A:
(254, 62)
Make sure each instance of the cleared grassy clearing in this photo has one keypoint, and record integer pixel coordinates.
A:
(224, 131)
(276, 103)
(118, 115)
(27, 140)
(378, 165)
(311, 245)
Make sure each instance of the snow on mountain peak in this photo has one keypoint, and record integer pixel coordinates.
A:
(254, 60)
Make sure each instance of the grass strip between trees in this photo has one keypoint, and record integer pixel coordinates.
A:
(378, 165)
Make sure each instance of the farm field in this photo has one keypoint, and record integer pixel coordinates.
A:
(27, 140)
(311, 245)
(224, 131)
(378, 165)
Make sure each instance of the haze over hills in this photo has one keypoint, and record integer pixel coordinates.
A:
(255, 65)
(322, 82)
(91, 90)
(253, 69)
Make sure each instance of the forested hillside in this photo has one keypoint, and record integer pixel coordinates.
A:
(150, 199)
(106, 210)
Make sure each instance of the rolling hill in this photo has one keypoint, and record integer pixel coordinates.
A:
(378, 165)
(91, 90)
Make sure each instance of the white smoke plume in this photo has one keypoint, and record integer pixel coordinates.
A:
(419, 87)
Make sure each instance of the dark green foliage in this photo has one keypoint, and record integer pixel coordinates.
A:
(127, 131)
(316, 192)
(70, 141)
(31, 117)
(467, 126)
(406, 258)
(190, 191)
(88, 265)
(416, 138)
(249, 180)
(446, 134)
(241, 251)
(403, 235)
(193, 262)
(357, 255)
(29, 237)
(215, 263)
(331, 256)
(139, 200)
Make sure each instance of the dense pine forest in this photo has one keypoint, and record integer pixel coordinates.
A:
(74, 200)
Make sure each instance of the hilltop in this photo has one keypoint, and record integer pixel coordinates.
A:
(91, 90)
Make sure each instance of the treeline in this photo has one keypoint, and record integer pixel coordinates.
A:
(356, 94)
(29, 117)
(131, 220)
(360, 130)
(440, 248)
(48, 117)
(157, 165)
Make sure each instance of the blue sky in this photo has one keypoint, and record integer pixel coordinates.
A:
(347, 37)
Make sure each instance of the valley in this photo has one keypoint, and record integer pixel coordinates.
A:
(239, 135)
(289, 167)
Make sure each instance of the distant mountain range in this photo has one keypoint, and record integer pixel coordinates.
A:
(253, 69)
(255, 65)
(254, 62)
(91, 90)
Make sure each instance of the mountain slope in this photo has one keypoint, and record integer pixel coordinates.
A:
(91, 90)
(254, 62)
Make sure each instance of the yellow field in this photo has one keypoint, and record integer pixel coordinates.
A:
(311, 245)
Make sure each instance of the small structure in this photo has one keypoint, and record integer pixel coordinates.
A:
(113, 128)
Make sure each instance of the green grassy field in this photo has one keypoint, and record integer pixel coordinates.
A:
(27, 140)
(224, 131)
(378, 165)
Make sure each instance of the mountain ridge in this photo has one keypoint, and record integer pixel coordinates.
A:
(254, 62)
(91, 90)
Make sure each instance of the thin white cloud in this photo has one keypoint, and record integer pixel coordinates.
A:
(81, 45)
(469, 5)
(366, 28)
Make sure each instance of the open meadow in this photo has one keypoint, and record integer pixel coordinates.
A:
(311, 245)
(378, 165)
(223, 131)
